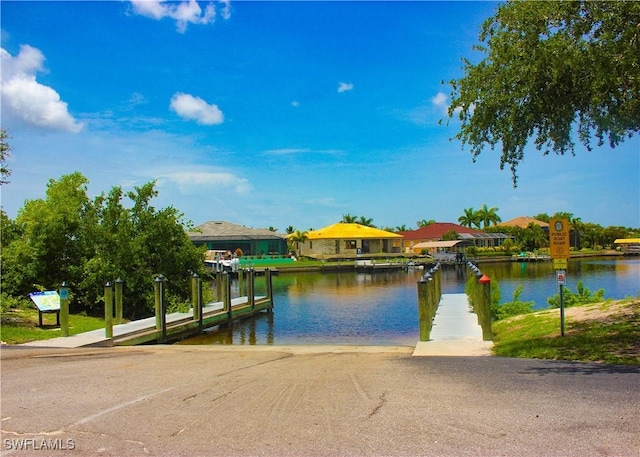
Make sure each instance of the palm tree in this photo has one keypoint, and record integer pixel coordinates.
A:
(289, 230)
(349, 219)
(424, 222)
(469, 218)
(488, 216)
(298, 237)
(401, 228)
(366, 221)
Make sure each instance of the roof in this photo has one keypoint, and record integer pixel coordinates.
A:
(227, 231)
(436, 230)
(441, 244)
(523, 222)
(627, 241)
(345, 231)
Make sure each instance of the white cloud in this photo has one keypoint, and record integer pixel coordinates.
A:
(287, 151)
(26, 100)
(188, 181)
(441, 101)
(194, 108)
(326, 202)
(184, 13)
(295, 103)
(344, 87)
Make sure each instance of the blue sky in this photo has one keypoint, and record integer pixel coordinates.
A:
(274, 114)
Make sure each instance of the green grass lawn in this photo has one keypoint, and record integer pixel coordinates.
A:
(606, 332)
(20, 325)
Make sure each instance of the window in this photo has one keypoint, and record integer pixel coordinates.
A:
(349, 244)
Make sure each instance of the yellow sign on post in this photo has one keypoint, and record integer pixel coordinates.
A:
(560, 264)
(559, 247)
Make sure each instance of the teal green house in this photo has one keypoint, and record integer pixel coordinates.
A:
(225, 236)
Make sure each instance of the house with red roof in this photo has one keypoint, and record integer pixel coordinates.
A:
(434, 232)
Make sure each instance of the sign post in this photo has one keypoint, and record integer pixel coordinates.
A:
(559, 249)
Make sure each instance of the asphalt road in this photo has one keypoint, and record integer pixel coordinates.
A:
(311, 401)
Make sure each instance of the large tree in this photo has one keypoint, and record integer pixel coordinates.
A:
(68, 237)
(549, 68)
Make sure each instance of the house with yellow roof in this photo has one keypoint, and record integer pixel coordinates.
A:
(349, 240)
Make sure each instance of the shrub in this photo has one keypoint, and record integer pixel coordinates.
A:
(512, 308)
(582, 296)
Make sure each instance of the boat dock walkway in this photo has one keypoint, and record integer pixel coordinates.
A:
(144, 330)
(455, 331)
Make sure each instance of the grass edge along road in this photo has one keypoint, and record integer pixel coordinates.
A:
(607, 332)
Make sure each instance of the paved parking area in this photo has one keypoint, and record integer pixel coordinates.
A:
(312, 401)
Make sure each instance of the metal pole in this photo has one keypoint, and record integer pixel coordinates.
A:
(561, 311)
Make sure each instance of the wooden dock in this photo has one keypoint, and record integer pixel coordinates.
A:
(178, 326)
(372, 265)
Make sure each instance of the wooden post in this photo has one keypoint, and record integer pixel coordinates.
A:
(194, 297)
(251, 288)
(227, 295)
(217, 277)
(484, 313)
(241, 282)
(119, 310)
(269, 286)
(163, 309)
(158, 307)
(200, 302)
(64, 309)
(423, 305)
(108, 310)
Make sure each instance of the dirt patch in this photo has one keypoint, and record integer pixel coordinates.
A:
(610, 316)
(606, 312)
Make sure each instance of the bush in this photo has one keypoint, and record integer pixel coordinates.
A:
(583, 296)
(512, 308)
(9, 302)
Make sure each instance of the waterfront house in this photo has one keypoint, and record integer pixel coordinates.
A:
(346, 240)
(433, 234)
(228, 237)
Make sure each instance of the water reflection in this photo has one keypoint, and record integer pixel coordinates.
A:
(382, 308)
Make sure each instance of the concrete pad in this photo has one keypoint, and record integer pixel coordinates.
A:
(462, 348)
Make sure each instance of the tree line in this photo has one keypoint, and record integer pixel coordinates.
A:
(68, 237)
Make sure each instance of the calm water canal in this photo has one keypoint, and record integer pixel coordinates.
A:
(381, 308)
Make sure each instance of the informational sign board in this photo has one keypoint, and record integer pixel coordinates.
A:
(47, 301)
(559, 247)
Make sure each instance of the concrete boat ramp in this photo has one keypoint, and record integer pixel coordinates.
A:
(455, 331)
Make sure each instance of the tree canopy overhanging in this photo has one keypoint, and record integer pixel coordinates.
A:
(549, 69)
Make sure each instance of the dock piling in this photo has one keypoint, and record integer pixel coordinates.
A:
(64, 309)
(108, 310)
(119, 310)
